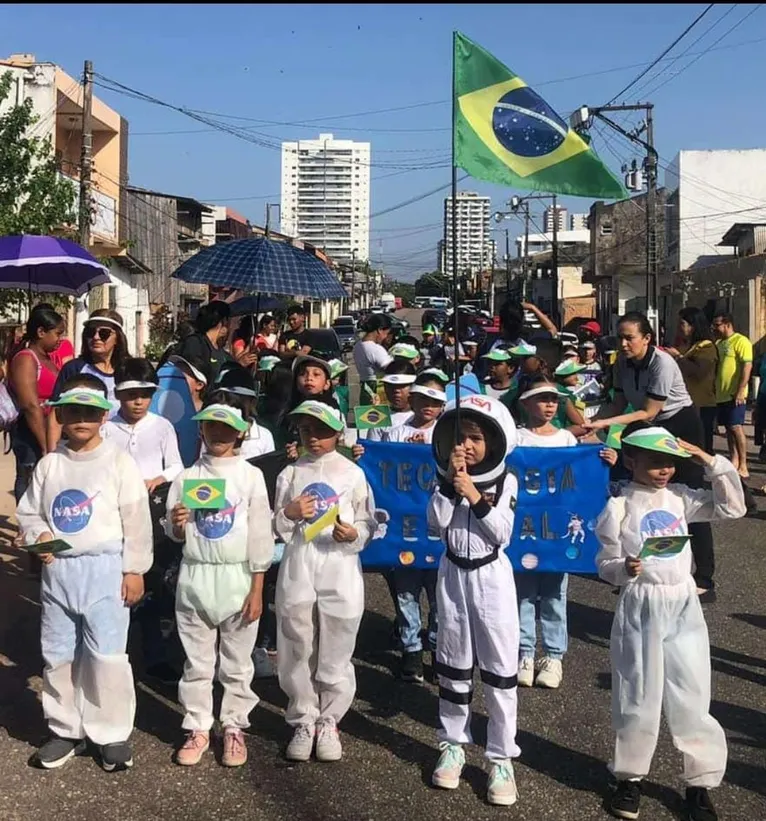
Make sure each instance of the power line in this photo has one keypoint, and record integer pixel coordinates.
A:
(664, 53)
(674, 60)
(702, 54)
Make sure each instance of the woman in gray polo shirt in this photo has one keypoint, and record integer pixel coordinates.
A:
(650, 381)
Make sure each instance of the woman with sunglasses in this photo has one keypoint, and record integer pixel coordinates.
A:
(104, 350)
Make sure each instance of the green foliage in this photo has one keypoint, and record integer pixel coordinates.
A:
(160, 333)
(34, 198)
(433, 284)
(405, 290)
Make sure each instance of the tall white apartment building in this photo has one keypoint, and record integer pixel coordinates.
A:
(326, 195)
(578, 222)
(475, 250)
(560, 214)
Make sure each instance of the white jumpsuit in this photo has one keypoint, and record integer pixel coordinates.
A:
(478, 617)
(222, 550)
(659, 646)
(320, 588)
(97, 502)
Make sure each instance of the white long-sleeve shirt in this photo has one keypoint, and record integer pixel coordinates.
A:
(95, 500)
(331, 479)
(641, 511)
(238, 533)
(405, 432)
(473, 531)
(152, 442)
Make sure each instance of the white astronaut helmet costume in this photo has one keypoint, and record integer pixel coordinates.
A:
(499, 431)
(476, 577)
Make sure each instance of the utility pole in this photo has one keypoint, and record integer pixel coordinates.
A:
(353, 277)
(525, 264)
(86, 155)
(555, 265)
(580, 121)
(507, 264)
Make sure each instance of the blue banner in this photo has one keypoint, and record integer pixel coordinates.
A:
(561, 493)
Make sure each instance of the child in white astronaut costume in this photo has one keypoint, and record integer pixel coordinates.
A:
(659, 645)
(220, 584)
(473, 512)
(90, 494)
(320, 589)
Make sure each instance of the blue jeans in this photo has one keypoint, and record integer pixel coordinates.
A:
(408, 582)
(550, 589)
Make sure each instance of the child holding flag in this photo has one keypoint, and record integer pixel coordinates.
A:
(427, 398)
(325, 515)
(219, 594)
(89, 493)
(659, 645)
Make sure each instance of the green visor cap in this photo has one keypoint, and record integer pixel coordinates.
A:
(223, 413)
(523, 350)
(439, 374)
(267, 363)
(86, 397)
(336, 367)
(497, 355)
(429, 329)
(404, 350)
(319, 410)
(568, 369)
(657, 439)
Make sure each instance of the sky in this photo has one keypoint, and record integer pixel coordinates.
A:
(382, 73)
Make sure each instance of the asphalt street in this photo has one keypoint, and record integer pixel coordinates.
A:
(389, 735)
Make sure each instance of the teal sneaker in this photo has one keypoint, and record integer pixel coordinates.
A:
(501, 785)
(449, 766)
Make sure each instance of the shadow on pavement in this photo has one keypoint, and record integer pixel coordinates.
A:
(592, 625)
(748, 725)
(753, 619)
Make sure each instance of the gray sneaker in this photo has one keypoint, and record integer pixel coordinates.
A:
(116, 757)
(57, 751)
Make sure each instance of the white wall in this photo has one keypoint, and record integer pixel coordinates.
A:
(38, 83)
(716, 189)
(131, 300)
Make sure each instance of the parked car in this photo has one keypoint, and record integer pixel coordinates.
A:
(438, 319)
(345, 330)
(324, 342)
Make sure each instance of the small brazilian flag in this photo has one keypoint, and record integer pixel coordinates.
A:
(506, 133)
(372, 416)
(614, 437)
(204, 494)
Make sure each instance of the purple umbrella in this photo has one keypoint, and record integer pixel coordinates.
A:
(51, 264)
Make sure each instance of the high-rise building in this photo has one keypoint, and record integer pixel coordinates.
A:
(562, 224)
(475, 250)
(578, 222)
(326, 195)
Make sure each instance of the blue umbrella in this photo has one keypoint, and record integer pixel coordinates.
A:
(260, 264)
(50, 264)
(255, 304)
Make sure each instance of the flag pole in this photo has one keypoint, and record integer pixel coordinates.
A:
(454, 249)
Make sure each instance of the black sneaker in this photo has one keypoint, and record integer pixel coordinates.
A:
(57, 751)
(624, 803)
(116, 757)
(412, 666)
(699, 807)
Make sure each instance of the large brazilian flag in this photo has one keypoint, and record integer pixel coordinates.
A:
(504, 132)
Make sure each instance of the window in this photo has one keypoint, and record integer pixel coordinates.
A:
(606, 229)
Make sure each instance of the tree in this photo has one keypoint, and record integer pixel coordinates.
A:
(34, 197)
(433, 284)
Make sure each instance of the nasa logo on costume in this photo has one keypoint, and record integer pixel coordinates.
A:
(661, 523)
(215, 524)
(324, 496)
(72, 510)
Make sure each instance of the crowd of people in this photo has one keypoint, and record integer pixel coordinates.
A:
(274, 570)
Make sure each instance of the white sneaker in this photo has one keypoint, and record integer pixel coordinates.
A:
(549, 673)
(449, 766)
(302, 743)
(328, 740)
(501, 784)
(264, 666)
(526, 674)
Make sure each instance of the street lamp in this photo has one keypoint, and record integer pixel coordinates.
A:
(353, 274)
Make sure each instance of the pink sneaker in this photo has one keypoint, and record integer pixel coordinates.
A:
(234, 749)
(193, 748)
